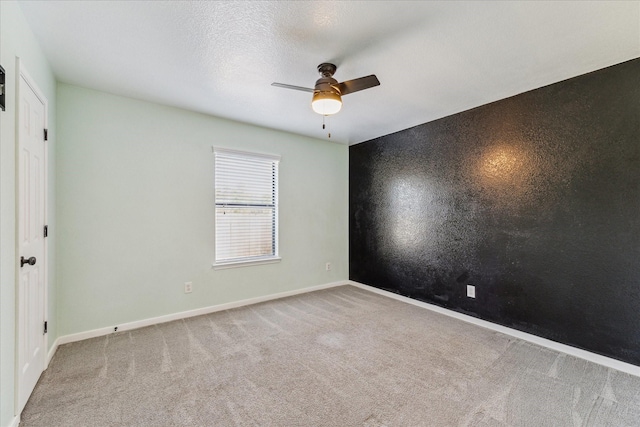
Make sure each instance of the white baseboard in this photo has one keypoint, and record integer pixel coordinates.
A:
(185, 314)
(14, 422)
(52, 351)
(563, 348)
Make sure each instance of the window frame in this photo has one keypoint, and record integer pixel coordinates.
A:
(248, 261)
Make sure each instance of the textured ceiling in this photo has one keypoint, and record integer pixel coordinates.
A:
(433, 59)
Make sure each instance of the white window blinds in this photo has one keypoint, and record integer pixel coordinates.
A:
(246, 197)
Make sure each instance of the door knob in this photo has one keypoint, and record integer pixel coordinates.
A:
(30, 261)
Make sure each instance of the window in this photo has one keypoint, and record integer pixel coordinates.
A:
(246, 197)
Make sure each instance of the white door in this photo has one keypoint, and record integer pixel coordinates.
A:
(31, 245)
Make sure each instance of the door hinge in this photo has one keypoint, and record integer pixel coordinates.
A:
(45, 326)
(46, 231)
(46, 134)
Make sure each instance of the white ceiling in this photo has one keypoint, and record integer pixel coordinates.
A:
(433, 59)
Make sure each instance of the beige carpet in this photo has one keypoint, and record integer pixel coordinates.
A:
(338, 357)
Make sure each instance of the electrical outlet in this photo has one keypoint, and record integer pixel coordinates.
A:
(188, 287)
(327, 266)
(471, 291)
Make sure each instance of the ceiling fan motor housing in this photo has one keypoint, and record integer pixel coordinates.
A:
(327, 98)
(327, 84)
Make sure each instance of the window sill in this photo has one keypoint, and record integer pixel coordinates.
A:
(248, 263)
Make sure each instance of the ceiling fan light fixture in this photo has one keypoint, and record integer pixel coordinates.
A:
(326, 102)
(327, 93)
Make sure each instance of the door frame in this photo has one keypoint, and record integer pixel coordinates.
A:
(21, 73)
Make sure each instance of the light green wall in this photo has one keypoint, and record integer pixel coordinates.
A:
(17, 40)
(131, 207)
(135, 207)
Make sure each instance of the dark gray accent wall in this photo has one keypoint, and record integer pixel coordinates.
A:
(534, 199)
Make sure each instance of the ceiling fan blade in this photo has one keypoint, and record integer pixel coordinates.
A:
(355, 85)
(286, 86)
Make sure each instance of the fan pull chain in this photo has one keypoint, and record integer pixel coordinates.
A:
(329, 125)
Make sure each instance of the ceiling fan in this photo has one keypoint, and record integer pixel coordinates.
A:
(327, 93)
